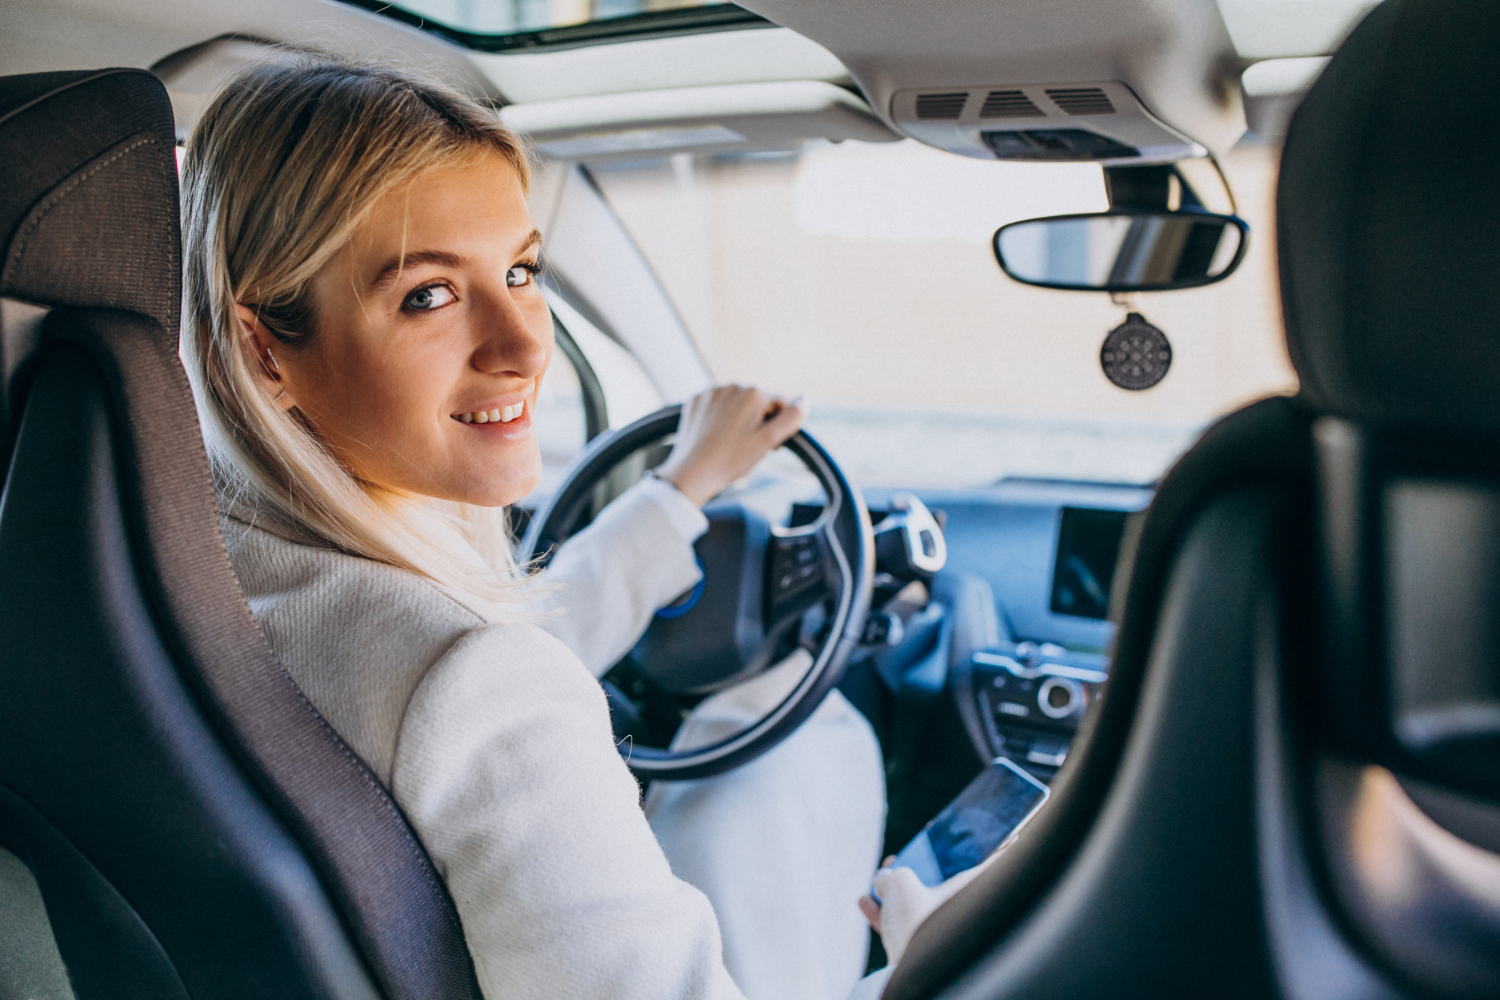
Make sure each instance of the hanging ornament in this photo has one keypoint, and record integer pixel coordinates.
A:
(1135, 355)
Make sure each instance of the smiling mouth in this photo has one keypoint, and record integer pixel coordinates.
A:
(503, 415)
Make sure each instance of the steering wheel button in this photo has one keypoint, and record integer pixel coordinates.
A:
(929, 544)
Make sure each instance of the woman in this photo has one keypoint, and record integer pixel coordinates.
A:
(366, 338)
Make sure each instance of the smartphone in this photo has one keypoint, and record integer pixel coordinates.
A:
(983, 816)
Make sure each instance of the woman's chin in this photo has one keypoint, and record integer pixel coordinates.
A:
(517, 485)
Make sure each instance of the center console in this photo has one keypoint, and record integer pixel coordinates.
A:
(1031, 698)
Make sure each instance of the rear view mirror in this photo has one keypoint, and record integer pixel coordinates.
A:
(1124, 250)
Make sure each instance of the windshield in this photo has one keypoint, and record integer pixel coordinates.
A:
(861, 275)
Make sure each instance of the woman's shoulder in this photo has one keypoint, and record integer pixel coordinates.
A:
(277, 568)
(358, 636)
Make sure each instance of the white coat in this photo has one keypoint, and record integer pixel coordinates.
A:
(495, 741)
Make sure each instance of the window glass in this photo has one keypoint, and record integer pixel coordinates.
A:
(504, 17)
(628, 391)
(561, 428)
(562, 413)
(862, 275)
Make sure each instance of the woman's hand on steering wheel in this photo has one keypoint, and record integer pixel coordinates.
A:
(724, 432)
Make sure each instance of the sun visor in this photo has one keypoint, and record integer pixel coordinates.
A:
(729, 118)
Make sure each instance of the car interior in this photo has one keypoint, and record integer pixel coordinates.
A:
(1226, 584)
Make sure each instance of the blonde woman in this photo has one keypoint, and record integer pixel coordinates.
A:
(366, 337)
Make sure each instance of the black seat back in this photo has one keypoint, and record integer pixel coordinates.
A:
(1292, 787)
(194, 827)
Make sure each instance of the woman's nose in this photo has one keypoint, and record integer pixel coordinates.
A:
(513, 337)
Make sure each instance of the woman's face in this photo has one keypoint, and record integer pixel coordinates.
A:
(432, 340)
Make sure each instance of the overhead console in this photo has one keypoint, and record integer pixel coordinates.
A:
(1102, 121)
(1131, 81)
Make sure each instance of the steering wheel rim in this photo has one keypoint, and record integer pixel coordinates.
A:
(843, 526)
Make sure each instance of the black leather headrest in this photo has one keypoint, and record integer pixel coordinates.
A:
(88, 210)
(1389, 219)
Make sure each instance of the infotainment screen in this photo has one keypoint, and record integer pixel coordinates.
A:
(1088, 546)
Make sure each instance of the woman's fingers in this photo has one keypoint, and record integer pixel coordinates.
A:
(723, 433)
(871, 910)
(784, 420)
(905, 903)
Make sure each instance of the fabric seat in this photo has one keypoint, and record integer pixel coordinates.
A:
(189, 822)
(1292, 785)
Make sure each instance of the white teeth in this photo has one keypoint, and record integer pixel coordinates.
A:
(504, 415)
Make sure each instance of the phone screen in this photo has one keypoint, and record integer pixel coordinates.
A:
(989, 810)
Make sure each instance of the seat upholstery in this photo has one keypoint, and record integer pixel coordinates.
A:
(194, 827)
(1311, 610)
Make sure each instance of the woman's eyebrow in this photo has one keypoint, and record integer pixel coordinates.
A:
(393, 268)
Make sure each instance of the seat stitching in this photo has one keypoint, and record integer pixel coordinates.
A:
(40, 213)
(13, 112)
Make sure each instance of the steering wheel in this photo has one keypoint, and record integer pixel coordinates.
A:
(764, 586)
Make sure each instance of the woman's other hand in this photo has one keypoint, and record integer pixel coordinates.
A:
(905, 903)
(724, 432)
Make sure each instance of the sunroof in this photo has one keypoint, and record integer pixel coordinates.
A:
(499, 25)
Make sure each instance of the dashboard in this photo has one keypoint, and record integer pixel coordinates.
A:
(1029, 539)
(962, 686)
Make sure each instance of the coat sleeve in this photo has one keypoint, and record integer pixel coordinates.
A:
(605, 583)
(508, 772)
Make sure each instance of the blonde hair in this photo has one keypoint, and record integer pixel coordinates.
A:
(281, 169)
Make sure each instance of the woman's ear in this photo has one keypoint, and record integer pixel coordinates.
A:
(259, 340)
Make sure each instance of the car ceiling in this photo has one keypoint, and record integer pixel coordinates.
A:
(43, 35)
(1183, 58)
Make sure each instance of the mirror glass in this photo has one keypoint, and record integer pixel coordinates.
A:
(1122, 251)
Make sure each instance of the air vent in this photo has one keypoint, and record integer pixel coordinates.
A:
(942, 105)
(1009, 104)
(1082, 100)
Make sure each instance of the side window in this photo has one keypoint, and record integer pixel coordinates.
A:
(594, 384)
(568, 412)
(626, 391)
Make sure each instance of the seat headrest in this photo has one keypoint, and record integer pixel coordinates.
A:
(88, 210)
(1388, 215)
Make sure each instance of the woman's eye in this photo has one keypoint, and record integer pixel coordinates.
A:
(429, 298)
(521, 274)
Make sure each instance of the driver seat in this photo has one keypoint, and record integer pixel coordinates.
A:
(1292, 785)
(175, 818)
